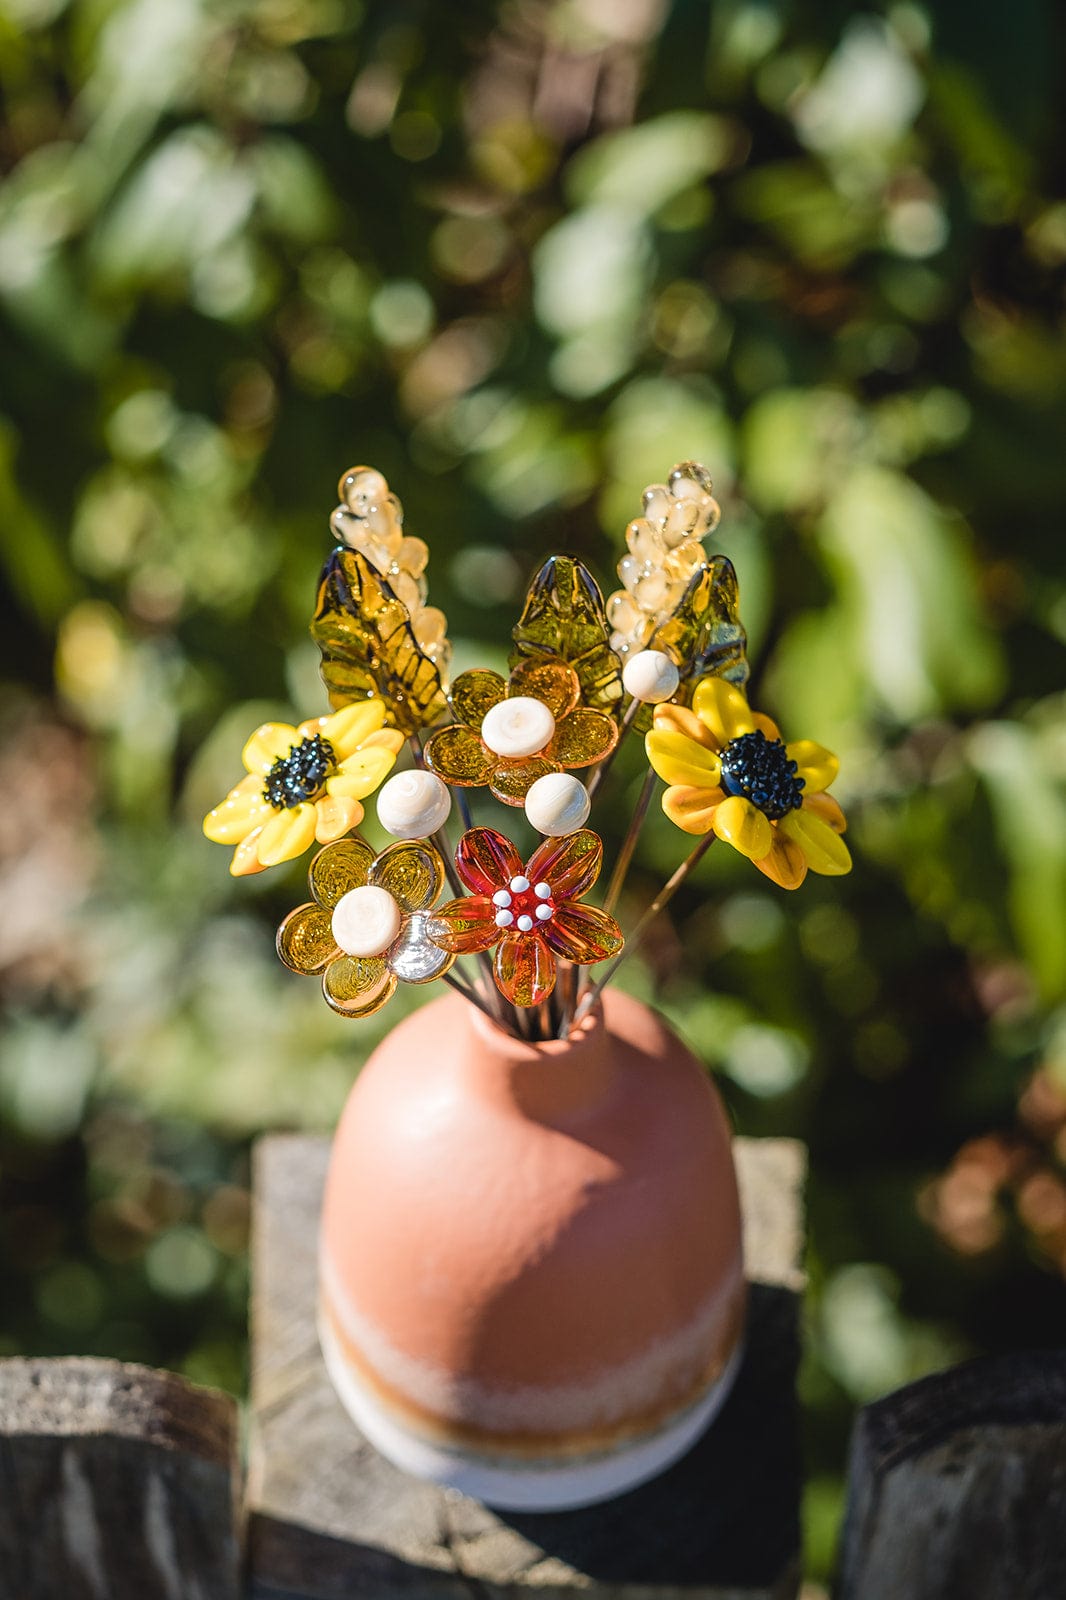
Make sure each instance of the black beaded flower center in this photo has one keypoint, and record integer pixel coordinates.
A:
(759, 769)
(300, 775)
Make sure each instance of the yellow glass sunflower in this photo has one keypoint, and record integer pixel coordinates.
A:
(303, 784)
(729, 770)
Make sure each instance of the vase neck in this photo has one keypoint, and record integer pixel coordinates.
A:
(550, 1079)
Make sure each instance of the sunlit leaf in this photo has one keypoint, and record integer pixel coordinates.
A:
(564, 617)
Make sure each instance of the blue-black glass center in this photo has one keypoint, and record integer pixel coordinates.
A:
(759, 769)
(300, 775)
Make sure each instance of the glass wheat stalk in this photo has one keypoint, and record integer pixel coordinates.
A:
(664, 661)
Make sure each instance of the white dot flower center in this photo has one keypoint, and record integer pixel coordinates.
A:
(518, 727)
(522, 905)
(366, 921)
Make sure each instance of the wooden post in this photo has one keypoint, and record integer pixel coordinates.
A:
(958, 1486)
(331, 1520)
(116, 1483)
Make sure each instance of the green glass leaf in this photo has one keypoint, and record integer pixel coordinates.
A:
(564, 618)
(368, 647)
(705, 635)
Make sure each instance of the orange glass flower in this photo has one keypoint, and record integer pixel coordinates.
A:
(729, 770)
(510, 732)
(528, 912)
(365, 927)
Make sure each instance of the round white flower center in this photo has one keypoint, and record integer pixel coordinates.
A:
(651, 676)
(414, 805)
(366, 921)
(556, 804)
(518, 727)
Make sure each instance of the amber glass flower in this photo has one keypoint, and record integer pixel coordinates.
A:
(472, 752)
(365, 927)
(303, 784)
(528, 912)
(729, 770)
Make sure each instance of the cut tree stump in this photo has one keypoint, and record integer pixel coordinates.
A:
(957, 1486)
(116, 1483)
(330, 1519)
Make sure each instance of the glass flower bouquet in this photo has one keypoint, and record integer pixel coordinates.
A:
(531, 1281)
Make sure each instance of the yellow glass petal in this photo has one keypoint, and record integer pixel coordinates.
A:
(412, 872)
(825, 851)
(287, 835)
(679, 719)
(583, 737)
(679, 759)
(270, 741)
(245, 861)
(816, 765)
(723, 709)
(511, 781)
(336, 814)
(346, 729)
(826, 807)
(692, 808)
(305, 939)
(338, 868)
(766, 725)
(740, 824)
(474, 693)
(459, 757)
(239, 813)
(385, 739)
(785, 864)
(549, 680)
(360, 774)
(357, 986)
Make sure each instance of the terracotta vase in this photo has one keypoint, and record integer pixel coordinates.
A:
(532, 1286)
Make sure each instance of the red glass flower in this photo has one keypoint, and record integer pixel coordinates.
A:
(528, 912)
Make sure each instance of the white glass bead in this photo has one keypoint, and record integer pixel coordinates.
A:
(504, 918)
(501, 898)
(543, 913)
(366, 921)
(525, 924)
(651, 676)
(413, 805)
(520, 726)
(543, 891)
(556, 804)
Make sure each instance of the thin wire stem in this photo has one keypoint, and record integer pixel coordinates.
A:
(662, 899)
(605, 765)
(629, 843)
(468, 993)
(568, 985)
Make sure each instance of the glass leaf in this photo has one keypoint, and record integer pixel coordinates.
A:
(549, 679)
(458, 756)
(338, 868)
(412, 872)
(582, 738)
(465, 925)
(564, 617)
(524, 969)
(486, 860)
(705, 634)
(570, 864)
(583, 934)
(511, 781)
(414, 958)
(305, 939)
(368, 646)
(356, 986)
(474, 693)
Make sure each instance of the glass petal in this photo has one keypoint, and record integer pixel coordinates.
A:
(385, 739)
(486, 860)
(570, 864)
(305, 939)
(336, 815)
(679, 760)
(817, 765)
(824, 806)
(338, 868)
(459, 756)
(679, 719)
(549, 680)
(346, 729)
(269, 741)
(766, 725)
(583, 934)
(824, 850)
(414, 958)
(360, 774)
(288, 834)
(465, 925)
(583, 737)
(743, 826)
(511, 781)
(412, 872)
(723, 709)
(524, 969)
(245, 861)
(786, 864)
(357, 986)
(691, 808)
(240, 812)
(474, 693)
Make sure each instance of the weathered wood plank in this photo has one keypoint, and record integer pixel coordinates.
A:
(116, 1483)
(330, 1519)
(957, 1486)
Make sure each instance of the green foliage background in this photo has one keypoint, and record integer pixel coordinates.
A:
(523, 257)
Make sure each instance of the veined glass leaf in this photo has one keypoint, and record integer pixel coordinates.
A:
(564, 617)
(705, 634)
(368, 647)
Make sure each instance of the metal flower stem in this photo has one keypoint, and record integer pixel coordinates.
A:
(629, 843)
(662, 899)
(461, 986)
(605, 765)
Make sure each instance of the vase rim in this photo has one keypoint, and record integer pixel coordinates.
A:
(583, 1039)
